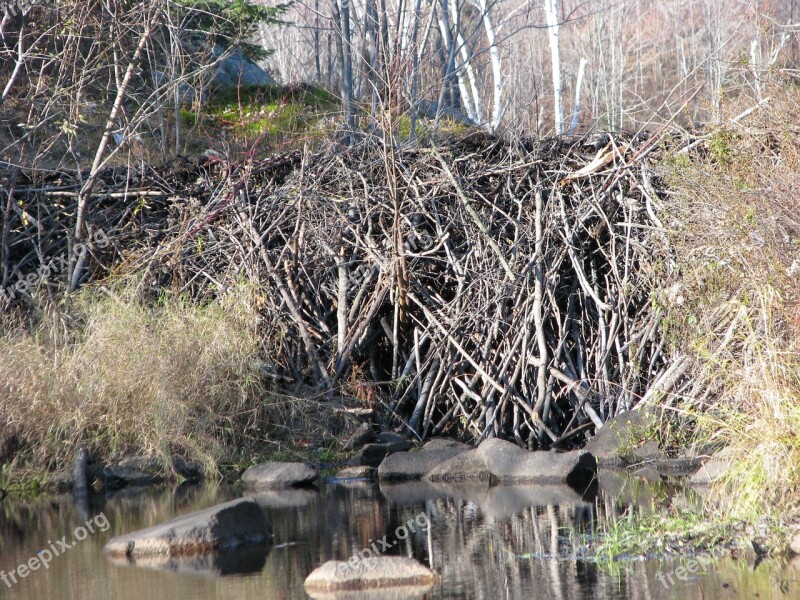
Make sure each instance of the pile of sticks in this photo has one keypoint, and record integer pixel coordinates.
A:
(479, 288)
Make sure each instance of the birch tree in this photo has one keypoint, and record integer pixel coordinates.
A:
(551, 16)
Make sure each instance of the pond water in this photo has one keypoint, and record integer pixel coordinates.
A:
(506, 542)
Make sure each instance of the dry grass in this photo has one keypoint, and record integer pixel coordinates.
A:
(123, 377)
(736, 224)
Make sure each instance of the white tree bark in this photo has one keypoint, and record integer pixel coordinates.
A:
(551, 17)
(450, 47)
(497, 67)
(576, 109)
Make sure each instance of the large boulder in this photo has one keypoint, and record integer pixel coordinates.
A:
(369, 573)
(237, 70)
(223, 527)
(503, 462)
(404, 466)
(279, 475)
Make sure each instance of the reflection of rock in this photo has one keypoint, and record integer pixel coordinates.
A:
(225, 526)
(288, 498)
(503, 462)
(377, 573)
(412, 492)
(229, 562)
(498, 501)
(400, 592)
(414, 465)
(279, 475)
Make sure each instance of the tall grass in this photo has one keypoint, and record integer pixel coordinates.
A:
(736, 224)
(120, 377)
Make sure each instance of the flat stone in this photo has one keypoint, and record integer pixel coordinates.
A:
(279, 475)
(404, 466)
(503, 462)
(366, 473)
(225, 526)
(363, 435)
(144, 471)
(369, 573)
(114, 477)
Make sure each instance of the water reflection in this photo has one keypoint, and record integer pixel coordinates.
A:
(487, 542)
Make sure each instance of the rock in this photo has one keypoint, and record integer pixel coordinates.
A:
(147, 470)
(365, 473)
(503, 462)
(117, 476)
(713, 469)
(794, 548)
(236, 70)
(405, 466)
(190, 470)
(385, 443)
(223, 527)
(369, 573)
(279, 475)
(363, 435)
(648, 452)
(614, 443)
(393, 441)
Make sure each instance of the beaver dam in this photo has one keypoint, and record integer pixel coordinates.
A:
(477, 288)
